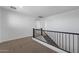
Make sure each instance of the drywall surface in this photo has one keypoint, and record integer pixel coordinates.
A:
(14, 25)
(40, 23)
(68, 21)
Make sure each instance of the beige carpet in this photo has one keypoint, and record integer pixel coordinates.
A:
(24, 45)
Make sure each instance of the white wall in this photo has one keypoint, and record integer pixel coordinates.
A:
(14, 25)
(67, 21)
(40, 23)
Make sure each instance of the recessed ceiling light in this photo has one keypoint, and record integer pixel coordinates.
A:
(20, 6)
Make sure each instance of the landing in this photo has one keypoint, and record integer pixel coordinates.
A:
(24, 45)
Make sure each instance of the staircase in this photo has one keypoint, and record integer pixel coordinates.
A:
(49, 40)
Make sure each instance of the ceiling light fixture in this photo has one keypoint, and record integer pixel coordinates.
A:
(40, 16)
(13, 7)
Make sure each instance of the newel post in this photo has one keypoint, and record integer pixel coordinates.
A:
(33, 33)
(41, 31)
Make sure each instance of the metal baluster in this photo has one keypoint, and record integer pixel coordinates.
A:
(57, 38)
(65, 41)
(73, 42)
(69, 42)
(53, 36)
(62, 40)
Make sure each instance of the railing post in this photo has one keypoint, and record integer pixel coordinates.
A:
(41, 31)
(33, 33)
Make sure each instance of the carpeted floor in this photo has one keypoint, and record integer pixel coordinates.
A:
(23, 45)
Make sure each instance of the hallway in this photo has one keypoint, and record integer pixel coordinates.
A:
(60, 23)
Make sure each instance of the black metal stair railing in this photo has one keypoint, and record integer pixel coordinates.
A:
(63, 40)
(49, 39)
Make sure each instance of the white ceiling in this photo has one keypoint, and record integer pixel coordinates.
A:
(45, 11)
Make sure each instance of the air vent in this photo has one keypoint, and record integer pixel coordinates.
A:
(13, 7)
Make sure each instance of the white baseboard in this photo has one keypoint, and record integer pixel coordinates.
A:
(14, 38)
(49, 46)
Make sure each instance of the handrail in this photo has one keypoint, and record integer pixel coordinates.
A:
(59, 32)
(62, 32)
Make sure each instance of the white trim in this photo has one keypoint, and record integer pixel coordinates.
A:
(14, 38)
(49, 46)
